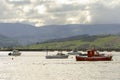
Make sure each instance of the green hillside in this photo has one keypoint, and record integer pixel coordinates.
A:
(109, 41)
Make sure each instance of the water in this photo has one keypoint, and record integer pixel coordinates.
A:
(33, 66)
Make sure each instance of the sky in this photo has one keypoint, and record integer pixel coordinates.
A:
(60, 12)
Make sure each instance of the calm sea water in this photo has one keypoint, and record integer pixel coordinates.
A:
(33, 66)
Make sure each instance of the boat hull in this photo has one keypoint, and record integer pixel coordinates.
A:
(94, 58)
(74, 53)
(17, 54)
(56, 57)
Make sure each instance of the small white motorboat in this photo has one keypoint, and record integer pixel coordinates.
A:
(57, 56)
(14, 53)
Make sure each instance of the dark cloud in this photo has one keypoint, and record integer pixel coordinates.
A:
(18, 2)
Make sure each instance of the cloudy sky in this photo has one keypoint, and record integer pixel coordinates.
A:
(54, 12)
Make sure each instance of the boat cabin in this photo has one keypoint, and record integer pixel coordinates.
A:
(91, 53)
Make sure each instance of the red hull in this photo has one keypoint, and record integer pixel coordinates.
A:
(94, 58)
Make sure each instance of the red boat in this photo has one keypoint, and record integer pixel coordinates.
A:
(92, 55)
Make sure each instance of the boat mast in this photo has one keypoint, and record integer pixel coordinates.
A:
(46, 50)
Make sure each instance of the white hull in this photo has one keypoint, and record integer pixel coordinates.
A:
(17, 54)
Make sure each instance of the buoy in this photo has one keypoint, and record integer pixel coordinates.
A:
(12, 58)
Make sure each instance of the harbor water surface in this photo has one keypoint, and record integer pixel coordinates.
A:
(32, 65)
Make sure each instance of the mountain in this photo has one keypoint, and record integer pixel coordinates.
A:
(84, 37)
(7, 42)
(80, 42)
(98, 41)
(27, 34)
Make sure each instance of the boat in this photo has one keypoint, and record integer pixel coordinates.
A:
(14, 53)
(57, 56)
(74, 52)
(93, 56)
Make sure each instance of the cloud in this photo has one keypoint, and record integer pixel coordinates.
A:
(58, 12)
(18, 2)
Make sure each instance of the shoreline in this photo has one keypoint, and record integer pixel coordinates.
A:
(99, 49)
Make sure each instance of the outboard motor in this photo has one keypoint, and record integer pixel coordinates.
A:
(9, 53)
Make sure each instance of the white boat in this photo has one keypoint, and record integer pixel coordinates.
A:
(14, 53)
(57, 56)
(74, 52)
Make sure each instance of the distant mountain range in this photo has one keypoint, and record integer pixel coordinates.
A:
(8, 42)
(28, 34)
